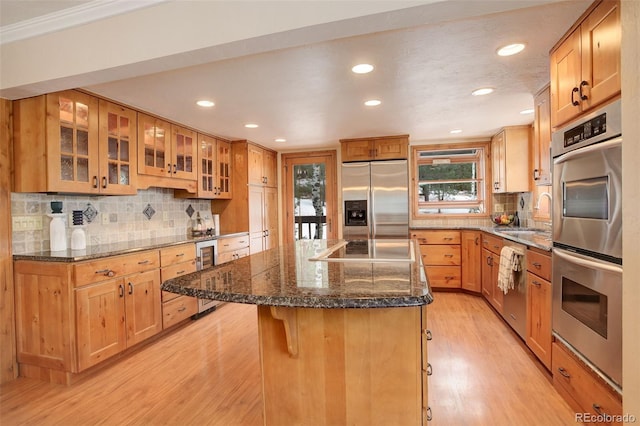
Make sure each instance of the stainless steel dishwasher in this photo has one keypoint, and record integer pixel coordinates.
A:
(515, 301)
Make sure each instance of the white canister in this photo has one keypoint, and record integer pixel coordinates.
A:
(57, 232)
(78, 239)
(216, 224)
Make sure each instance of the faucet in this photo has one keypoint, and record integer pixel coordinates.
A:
(537, 206)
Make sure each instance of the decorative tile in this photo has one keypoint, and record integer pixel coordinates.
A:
(90, 212)
(521, 202)
(149, 211)
(190, 210)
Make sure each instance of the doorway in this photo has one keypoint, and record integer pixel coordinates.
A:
(310, 195)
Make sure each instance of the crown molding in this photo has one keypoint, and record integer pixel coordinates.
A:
(78, 15)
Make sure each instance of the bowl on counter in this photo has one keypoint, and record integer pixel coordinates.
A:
(503, 219)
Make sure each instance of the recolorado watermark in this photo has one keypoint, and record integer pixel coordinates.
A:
(605, 418)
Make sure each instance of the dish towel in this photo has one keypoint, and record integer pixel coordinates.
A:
(510, 264)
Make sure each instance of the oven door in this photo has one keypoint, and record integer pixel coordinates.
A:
(587, 205)
(587, 309)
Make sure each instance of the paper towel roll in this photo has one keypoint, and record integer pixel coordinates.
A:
(216, 224)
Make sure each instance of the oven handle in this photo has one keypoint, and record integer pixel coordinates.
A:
(613, 143)
(590, 263)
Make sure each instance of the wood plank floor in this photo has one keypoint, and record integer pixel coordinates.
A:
(208, 373)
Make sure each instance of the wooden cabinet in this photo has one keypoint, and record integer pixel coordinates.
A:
(76, 142)
(491, 247)
(440, 252)
(231, 248)
(471, 261)
(538, 335)
(176, 261)
(254, 206)
(541, 143)
(86, 312)
(214, 171)
(378, 148)
(223, 171)
(167, 152)
(510, 147)
(582, 388)
(585, 65)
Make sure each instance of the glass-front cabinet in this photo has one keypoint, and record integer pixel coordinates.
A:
(224, 169)
(72, 142)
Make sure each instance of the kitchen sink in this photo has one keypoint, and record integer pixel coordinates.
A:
(518, 231)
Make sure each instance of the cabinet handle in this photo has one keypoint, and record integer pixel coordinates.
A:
(535, 172)
(429, 415)
(130, 288)
(448, 255)
(95, 181)
(496, 247)
(225, 245)
(477, 241)
(104, 182)
(169, 168)
(243, 242)
(536, 283)
(449, 278)
(179, 254)
(121, 290)
(106, 272)
(182, 309)
(564, 372)
(429, 369)
(429, 335)
(448, 238)
(175, 169)
(598, 409)
(537, 265)
(143, 262)
(573, 101)
(582, 95)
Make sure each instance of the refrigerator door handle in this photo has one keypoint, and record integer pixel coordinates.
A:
(372, 213)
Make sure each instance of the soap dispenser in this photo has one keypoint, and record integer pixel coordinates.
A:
(78, 237)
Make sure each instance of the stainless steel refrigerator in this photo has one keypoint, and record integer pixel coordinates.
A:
(376, 199)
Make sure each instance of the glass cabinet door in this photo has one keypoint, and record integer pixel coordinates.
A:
(224, 169)
(117, 149)
(72, 140)
(184, 153)
(154, 141)
(207, 180)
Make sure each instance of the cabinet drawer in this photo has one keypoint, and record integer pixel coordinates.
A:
(491, 243)
(178, 309)
(436, 237)
(577, 381)
(167, 295)
(177, 254)
(440, 254)
(176, 270)
(539, 264)
(443, 276)
(231, 244)
(117, 266)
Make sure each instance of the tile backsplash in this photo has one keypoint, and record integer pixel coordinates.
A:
(152, 213)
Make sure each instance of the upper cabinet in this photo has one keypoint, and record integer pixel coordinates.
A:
(262, 166)
(510, 147)
(380, 148)
(541, 142)
(585, 66)
(214, 171)
(80, 143)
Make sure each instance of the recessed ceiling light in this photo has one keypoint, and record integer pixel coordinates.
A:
(373, 102)
(250, 126)
(455, 131)
(362, 68)
(482, 91)
(205, 103)
(281, 140)
(511, 49)
(527, 111)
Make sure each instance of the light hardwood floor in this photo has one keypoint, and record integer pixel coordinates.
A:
(208, 373)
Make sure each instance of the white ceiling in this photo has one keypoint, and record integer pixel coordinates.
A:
(423, 75)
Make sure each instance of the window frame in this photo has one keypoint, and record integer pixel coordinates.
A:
(486, 178)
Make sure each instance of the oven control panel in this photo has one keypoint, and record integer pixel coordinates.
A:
(587, 130)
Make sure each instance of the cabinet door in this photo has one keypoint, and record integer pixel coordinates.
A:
(118, 148)
(360, 150)
(565, 79)
(497, 298)
(601, 39)
(392, 149)
(271, 217)
(256, 218)
(498, 162)
(542, 139)
(143, 306)
(207, 172)
(471, 252)
(154, 146)
(184, 153)
(72, 142)
(487, 289)
(100, 320)
(255, 162)
(539, 318)
(270, 168)
(224, 170)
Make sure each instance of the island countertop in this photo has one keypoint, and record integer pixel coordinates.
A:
(288, 276)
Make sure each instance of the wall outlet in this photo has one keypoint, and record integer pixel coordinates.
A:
(498, 208)
(26, 223)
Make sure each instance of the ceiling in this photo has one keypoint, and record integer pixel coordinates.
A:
(424, 76)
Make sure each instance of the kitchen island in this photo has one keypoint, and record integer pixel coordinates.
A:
(342, 328)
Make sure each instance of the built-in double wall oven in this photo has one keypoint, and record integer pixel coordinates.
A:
(587, 239)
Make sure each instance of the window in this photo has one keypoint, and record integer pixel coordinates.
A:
(450, 180)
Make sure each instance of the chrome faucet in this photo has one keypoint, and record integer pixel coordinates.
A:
(537, 206)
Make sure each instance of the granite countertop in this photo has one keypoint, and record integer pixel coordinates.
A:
(531, 237)
(115, 249)
(285, 276)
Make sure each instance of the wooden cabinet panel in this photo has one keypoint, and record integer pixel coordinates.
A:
(378, 148)
(440, 251)
(443, 255)
(177, 254)
(233, 248)
(444, 276)
(490, 290)
(436, 237)
(491, 243)
(565, 79)
(270, 168)
(510, 147)
(539, 264)
(177, 310)
(255, 163)
(471, 261)
(154, 146)
(541, 142)
(177, 270)
(538, 336)
(112, 267)
(143, 306)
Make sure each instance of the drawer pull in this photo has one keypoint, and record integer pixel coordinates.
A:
(429, 369)
(121, 290)
(536, 283)
(226, 245)
(130, 288)
(428, 334)
(143, 262)
(182, 309)
(449, 277)
(496, 247)
(598, 409)
(447, 238)
(448, 255)
(179, 254)
(537, 265)
(106, 272)
(564, 372)
(180, 272)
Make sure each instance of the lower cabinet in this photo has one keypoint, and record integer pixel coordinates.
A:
(471, 261)
(176, 261)
(440, 251)
(539, 305)
(491, 247)
(231, 248)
